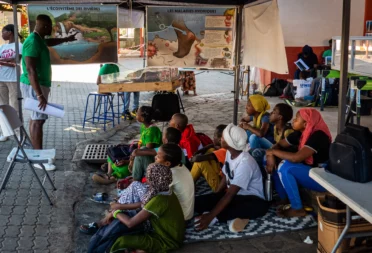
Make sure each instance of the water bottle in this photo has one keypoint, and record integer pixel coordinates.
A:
(268, 188)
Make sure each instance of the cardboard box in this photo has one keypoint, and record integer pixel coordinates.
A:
(328, 235)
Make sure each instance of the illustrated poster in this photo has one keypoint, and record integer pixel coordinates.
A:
(190, 37)
(93, 26)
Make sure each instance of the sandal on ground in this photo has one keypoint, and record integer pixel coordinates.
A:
(102, 198)
(103, 179)
(89, 229)
(287, 212)
(104, 167)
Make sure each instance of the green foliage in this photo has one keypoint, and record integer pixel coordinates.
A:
(24, 33)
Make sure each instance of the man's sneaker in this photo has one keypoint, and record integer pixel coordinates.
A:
(3, 138)
(237, 225)
(127, 115)
(48, 166)
(134, 113)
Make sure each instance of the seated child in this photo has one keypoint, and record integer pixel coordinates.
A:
(150, 138)
(280, 118)
(189, 143)
(260, 135)
(244, 198)
(160, 208)
(182, 185)
(143, 157)
(209, 160)
(313, 139)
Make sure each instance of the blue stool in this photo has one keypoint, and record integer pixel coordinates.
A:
(105, 99)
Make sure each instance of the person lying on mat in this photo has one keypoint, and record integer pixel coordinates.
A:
(208, 161)
(150, 137)
(280, 117)
(190, 142)
(298, 88)
(130, 198)
(161, 211)
(260, 135)
(313, 139)
(244, 197)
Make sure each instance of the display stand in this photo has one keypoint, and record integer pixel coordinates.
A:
(140, 87)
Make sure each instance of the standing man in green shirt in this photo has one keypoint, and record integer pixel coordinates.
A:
(36, 79)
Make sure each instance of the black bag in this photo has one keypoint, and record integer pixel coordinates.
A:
(165, 106)
(270, 91)
(350, 155)
(279, 84)
(119, 153)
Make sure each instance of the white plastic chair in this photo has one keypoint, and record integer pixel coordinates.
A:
(9, 121)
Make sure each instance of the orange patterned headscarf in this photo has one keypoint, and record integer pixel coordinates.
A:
(314, 122)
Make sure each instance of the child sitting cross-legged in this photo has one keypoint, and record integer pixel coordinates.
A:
(158, 227)
(208, 161)
(190, 142)
(182, 185)
(260, 134)
(244, 198)
(150, 137)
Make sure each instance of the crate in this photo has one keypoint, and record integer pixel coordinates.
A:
(328, 235)
(96, 153)
(337, 216)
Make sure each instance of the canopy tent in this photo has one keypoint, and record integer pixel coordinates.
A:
(134, 3)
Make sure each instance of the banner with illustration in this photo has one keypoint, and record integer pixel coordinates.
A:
(191, 37)
(93, 27)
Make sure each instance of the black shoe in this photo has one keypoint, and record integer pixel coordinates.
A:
(127, 115)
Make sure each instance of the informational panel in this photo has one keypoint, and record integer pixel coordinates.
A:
(94, 28)
(190, 37)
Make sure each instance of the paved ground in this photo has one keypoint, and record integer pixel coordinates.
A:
(29, 224)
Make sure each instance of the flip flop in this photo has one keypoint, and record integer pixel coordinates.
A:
(99, 179)
(102, 198)
(89, 229)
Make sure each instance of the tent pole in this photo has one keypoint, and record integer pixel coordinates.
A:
(344, 64)
(18, 68)
(238, 41)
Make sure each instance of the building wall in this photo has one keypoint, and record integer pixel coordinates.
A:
(313, 23)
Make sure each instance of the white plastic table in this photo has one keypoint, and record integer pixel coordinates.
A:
(356, 196)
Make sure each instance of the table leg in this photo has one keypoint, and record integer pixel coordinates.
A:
(348, 221)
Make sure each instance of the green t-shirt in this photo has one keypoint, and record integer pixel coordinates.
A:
(34, 46)
(108, 69)
(327, 53)
(167, 220)
(151, 134)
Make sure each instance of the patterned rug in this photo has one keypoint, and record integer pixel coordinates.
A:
(268, 224)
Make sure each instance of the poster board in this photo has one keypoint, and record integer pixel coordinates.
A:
(94, 28)
(191, 37)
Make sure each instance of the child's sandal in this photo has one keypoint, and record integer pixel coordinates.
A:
(89, 229)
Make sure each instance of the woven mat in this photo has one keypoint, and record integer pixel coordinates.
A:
(268, 224)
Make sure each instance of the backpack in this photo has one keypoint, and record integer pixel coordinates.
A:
(270, 91)
(276, 88)
(119, 153)
(204, 139)
(165, 106)
(350, 155)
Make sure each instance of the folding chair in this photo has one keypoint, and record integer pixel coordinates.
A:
(9, 121)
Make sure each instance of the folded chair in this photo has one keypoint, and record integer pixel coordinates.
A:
(9, 121)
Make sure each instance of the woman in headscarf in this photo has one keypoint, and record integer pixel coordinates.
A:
(159, 206)
(261, 133)
(313, 139)
(244, 197)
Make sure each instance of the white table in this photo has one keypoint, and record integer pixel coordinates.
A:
(356, 196)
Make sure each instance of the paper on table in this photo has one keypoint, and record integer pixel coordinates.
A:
(51, 109)
(301, 65)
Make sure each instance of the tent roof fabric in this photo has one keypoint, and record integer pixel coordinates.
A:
(146, 2)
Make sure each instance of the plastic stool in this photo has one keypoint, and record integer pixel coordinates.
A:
(108, 108)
